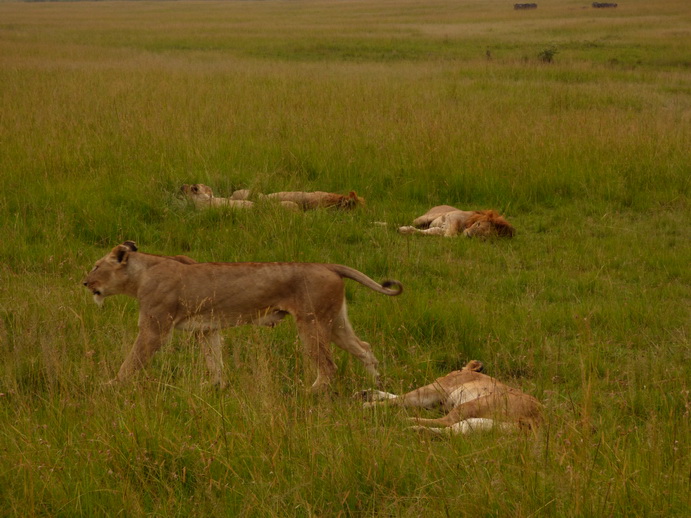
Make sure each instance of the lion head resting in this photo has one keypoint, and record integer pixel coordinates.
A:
(197, 192)
(487, 223)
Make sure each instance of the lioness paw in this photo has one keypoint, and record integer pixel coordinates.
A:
(407, 230)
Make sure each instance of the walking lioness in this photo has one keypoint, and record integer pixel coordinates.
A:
(179, 293)
(474, 401)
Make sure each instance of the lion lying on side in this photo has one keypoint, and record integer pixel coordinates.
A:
(203, 197)
(445, 220)
(179, 293)
(319, 199)
(474, 400)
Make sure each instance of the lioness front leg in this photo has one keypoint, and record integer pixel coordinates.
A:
(432, 231)
(428, 396)
(152, 335)
(212, 346)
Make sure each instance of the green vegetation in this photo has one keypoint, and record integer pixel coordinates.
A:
(106, 108)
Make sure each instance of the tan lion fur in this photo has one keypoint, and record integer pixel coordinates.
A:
(445, 220)
(179, 293)
(203, 198)
(474, 401)
(319, 199)
(306, 200)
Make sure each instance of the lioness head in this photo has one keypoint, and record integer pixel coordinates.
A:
(197, 192)
(109, 275)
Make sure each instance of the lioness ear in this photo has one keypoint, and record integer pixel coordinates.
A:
(475, 365)
(131, 245)
(122, 252)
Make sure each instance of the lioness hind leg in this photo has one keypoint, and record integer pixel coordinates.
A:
(476, 408)
(467, 426)
(434, 431)
(212, 347)
(345, 338)
(316, 340)
(479, 424)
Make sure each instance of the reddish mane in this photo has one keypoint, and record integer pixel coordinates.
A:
(502, 227)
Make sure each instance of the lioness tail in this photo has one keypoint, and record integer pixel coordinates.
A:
(353, 274)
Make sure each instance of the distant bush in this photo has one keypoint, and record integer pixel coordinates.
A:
(547, 55)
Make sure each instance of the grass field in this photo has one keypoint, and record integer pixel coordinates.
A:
(573, 122)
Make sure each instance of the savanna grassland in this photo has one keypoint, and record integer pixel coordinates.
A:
(573, 122)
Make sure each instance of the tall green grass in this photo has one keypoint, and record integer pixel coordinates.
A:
(106, 108)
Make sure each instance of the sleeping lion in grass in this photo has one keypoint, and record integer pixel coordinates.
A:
(474, 402)
(445, 220)
(179, 293)
(319, 199)
(307, 200)
(203, 198)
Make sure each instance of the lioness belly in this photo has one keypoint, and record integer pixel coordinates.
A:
(466, 393)
(199, 324)
(269, 317)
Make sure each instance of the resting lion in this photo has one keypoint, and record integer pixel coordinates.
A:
(474, 401)
(179, 293)
(203, 197)
(319, 199)
(445, 220)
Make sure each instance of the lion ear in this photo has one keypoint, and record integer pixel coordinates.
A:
(131, 245)
(475, 365)
(122, 253)
(355, 198)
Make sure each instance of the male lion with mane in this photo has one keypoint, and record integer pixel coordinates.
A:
(474, 402)
(179, 293)
(445, 220)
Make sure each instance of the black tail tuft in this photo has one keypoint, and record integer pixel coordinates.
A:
(394, 286)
